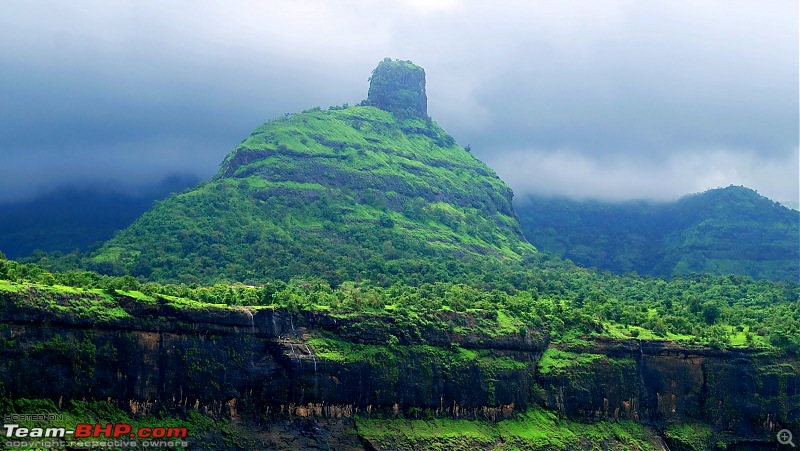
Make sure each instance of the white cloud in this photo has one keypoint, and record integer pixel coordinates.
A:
(570, 173)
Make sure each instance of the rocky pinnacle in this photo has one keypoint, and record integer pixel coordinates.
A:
(398, 86)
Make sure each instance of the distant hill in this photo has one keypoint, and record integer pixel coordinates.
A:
(732, 230)
(377, 191)
(76, 217)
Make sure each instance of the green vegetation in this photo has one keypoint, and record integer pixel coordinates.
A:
(344, 194)
(556, 361)
(392, 354)
(534, 429)
(730, 311)
(91, 304)
(690, 436)
(723, 231)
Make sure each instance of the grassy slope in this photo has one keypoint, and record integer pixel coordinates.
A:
(534, 429)
(339, 194)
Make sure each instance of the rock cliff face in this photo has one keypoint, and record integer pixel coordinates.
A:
(315, 365)
(272, 361)
(743, 393)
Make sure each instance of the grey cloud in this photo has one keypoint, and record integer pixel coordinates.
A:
(651, 88)
(136, 90)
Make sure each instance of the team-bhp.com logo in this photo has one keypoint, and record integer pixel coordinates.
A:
(115, 436)
(94, 431)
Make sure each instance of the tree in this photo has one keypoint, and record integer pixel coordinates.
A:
(710, 312)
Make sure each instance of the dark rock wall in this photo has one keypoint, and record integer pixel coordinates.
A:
(261, 360)
(744, 392)
(222, 360)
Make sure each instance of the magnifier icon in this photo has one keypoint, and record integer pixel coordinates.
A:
(785, 437)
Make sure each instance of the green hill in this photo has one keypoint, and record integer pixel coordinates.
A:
(348, 193)
(722, 231)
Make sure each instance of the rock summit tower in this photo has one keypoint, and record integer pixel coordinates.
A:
(399, 87)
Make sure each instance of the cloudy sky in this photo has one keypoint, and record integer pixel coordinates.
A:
(611, 99)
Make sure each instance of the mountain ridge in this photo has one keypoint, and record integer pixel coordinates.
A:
(731, 230)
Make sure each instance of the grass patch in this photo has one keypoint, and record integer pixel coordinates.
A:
(139, 296)
(10, 287)
(690, 436)
(184, 303)
(555, 361)
(535, 429)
